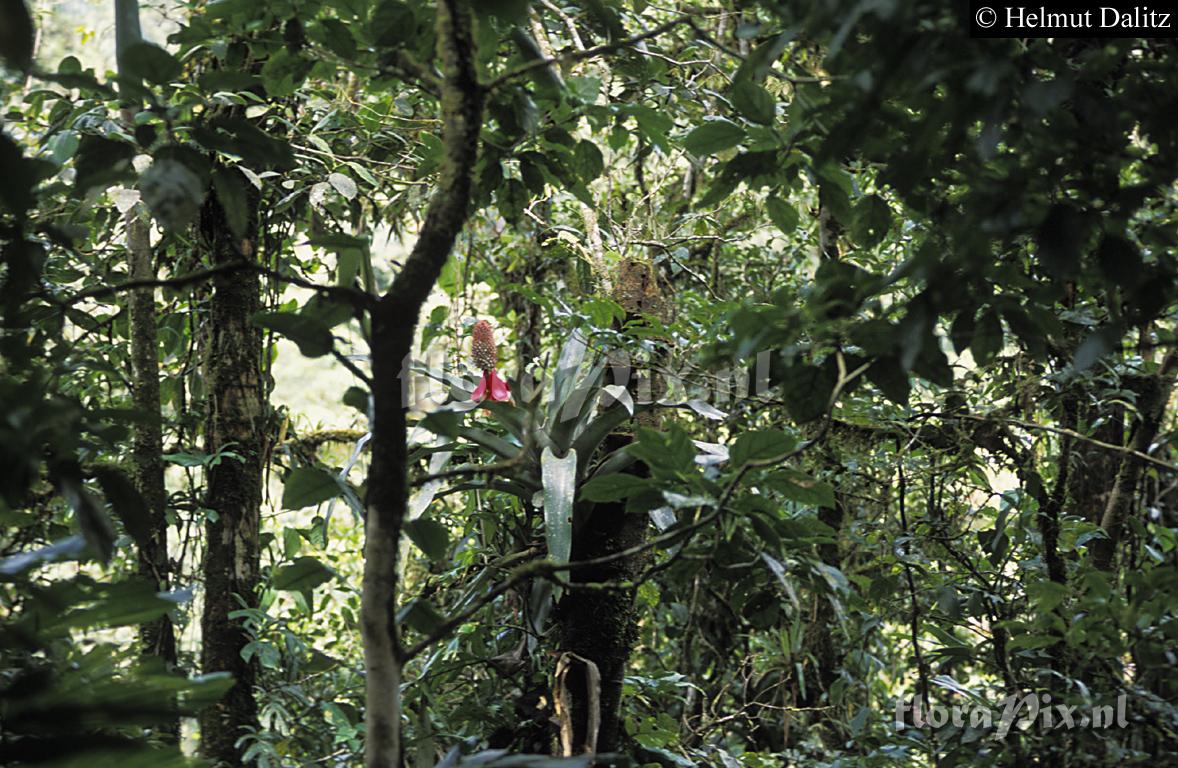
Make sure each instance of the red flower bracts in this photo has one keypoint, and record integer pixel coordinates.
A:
(485, 356)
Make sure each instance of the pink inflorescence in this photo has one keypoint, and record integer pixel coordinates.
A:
(485, 355)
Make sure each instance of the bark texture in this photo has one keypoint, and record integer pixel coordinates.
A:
(394, 320)
(598, 621)
(158, 637)
(236, 423)
(1151, 404)
(601, 624)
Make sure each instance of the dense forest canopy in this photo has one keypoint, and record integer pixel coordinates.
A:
(572, 382)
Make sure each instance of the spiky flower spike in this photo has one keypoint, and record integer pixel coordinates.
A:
(482, 346)
(485, 356)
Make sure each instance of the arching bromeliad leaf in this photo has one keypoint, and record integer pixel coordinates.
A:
(559, 479)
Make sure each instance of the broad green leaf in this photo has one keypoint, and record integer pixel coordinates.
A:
(100, 162)
(807, 389)
(127, 503)
(1047, 595)
(232, 196)
(558, 476)
(588, 161)
(987, 337)
(613, 487)
(669, 452)
(357, 398)
(335, 36)
(292, 543)
(310, 334)
(227, 80)
(421, 616)
(760, 446)
(284, 71)
(870, 221)
(393, 24)
(584, 89)
(783, 215)
(308, 487)
(800, 487)
(755, 67)
(891, 378)
(1031, 642)
(150, 62)
(430, 536)
(303, 574)
(712, 137)
(754, 102)
(241, 137)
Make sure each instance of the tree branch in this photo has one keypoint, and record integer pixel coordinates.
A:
(356, 298)
(394, 319)
(588, 53)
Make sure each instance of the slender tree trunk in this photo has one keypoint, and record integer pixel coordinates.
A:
(236, 423)
(1152, 406)
(394, 320)
(820, 645)
(157, 637)
(386, 502)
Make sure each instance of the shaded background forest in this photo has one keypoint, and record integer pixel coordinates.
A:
(842, 355)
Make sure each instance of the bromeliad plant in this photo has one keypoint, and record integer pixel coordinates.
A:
(546, 444)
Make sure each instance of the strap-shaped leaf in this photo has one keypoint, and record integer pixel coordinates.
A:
(559, 477)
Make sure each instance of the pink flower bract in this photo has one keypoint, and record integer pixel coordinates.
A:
(491, 386)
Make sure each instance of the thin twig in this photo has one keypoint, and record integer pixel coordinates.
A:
(588, 53)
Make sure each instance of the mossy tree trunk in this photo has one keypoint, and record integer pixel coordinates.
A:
(157, 637)
(236, 424)
(598, 620)
(601, 624)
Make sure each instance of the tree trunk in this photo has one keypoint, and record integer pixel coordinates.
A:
(394, 320)
(601, 625)
(236, 424)
(157, 637)
(1152, 406)
(387, 498)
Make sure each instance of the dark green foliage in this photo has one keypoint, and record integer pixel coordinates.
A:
(912, 305)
